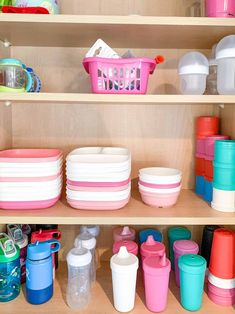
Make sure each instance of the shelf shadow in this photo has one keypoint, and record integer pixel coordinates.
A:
(104, 279)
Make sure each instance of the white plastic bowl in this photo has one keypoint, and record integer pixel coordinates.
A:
(110, 177)
(160, 175)
(221, 283)
(159, 191)
(223, 201)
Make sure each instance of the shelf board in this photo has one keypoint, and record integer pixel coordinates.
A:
(115, 99)
(119, 31)
(102, 300)
(190, 210)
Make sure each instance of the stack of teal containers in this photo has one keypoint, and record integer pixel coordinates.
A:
(224, 176)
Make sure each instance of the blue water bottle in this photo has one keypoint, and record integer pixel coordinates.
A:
(39, 271)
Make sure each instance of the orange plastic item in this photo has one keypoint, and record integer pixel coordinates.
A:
(209, 173)
(200, 166)
(222, 261)
(159, 59)
(206, 126)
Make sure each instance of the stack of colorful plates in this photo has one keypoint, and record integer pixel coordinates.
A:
(159, 187)
(98, 178)
(30, 178)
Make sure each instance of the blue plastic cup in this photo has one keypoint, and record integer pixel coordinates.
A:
(143, 235)
(208, 191)
(200, 185)
(192, 275)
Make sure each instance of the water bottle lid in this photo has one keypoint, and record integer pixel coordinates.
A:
(93, 230)
(8, 250)
(78, 257)
(16, 234)
(156, 265)
(191, 263)
(152, 247)
(88, 241)
(124, 261)
(41, 250)
(43, 235)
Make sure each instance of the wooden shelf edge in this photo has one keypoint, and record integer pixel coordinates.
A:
(115, 99)
(189, 210)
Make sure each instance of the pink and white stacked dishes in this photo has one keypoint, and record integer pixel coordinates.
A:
(160, 187)
(98, 178)
(30, 178)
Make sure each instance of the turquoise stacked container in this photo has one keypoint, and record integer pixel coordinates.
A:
(224, 176)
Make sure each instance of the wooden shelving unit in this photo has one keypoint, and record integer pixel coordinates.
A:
(102, 300)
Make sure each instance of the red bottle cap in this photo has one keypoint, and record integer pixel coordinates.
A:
(44, 235)
(222, 261)
(206, 126)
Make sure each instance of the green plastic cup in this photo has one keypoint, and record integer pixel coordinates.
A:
(176, 233)
(224, 176)
(225, 152)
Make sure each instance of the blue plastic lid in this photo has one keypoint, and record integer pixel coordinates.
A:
(143, 235)
(192, 263)
(10, 61)
(41, 250)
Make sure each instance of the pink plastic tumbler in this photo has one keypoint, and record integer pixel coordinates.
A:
(156, 282)
(182, 247)
(151, 248)
(220, 8)
(123, 233)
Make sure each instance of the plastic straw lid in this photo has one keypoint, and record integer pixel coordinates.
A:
(79, 256)
(193, 63)
(93, 230)
(152, 247)
(88, 241)
(124, 261)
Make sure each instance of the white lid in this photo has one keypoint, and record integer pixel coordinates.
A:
(124, 261)
(226, 48)
(221, 283)
(87, 240)
(193, 63)
(93, 230)
(79, 256)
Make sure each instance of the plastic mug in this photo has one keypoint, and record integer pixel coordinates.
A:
(182, 247)
(176, 233)
(192, 275)
(123, 233)
(156, 282)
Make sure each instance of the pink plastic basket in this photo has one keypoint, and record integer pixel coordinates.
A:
(119, 76)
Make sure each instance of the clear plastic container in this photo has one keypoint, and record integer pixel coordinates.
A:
(193, 69)
(225, 57)
(79, 281)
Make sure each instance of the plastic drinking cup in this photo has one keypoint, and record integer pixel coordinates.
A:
(143, 235)
(206, 126)
(206, 244)
(123, 233)
(151, 248)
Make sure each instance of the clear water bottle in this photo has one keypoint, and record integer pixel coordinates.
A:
(79, 280)
(88, 242)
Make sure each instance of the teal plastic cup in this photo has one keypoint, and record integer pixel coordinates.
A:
(176, 233)
(224, 178)
(192, 276)
(225, 152)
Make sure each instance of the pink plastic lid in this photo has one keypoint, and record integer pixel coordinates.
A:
(152, 248)
(30, 155)
(157, 266)
(221, 292)
(131, 246)
(210, 143)
(185, 247)
(123, 233)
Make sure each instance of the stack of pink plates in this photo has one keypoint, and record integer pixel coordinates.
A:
(98, 178)
(30, 178)
(159, 187)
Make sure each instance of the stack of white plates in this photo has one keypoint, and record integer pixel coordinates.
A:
(98, 178)
(30, 178)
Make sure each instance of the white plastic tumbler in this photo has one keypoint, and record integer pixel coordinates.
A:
(124, 267)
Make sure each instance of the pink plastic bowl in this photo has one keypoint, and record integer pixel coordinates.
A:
(98, 184)
(89, 205)
(29, 205)
(30, 155)
(159, 186)
(225, 297)
(97, 188)
(159, 200)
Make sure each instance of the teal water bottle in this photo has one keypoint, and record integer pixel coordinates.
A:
(192, 275)
(176, 233)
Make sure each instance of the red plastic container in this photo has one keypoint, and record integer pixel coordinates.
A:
(200, 166)
(222, 262)
(209, 173)
(206, 126)
(24, 10)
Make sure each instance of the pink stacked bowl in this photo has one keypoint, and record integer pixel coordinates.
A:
(160, 187)
(30, 178)
(98, 178)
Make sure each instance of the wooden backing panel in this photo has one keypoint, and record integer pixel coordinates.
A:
(227, 115)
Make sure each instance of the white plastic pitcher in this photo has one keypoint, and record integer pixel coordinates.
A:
(193, 69)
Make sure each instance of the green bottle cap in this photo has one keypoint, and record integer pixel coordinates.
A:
(8, 250)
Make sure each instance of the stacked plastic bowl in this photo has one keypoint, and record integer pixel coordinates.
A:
(30, 178)
(98, 178)
(221, 276)
(160, 187)
(224, 176)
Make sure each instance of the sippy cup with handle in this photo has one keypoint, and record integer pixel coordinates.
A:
(14, 77)
(9, 269)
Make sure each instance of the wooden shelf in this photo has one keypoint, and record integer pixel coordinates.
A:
(115, 99)
(119, 31)
(190, 210)
(102, 300)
